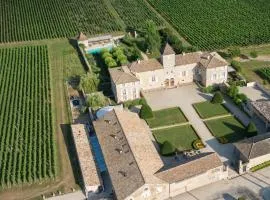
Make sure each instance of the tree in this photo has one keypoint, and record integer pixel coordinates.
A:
(146, 112)
(96, 100)
(233, 91)
(89, 83)
(217, 98)
(236, 65)
(167, 148)
(152, 37)
(251, 129)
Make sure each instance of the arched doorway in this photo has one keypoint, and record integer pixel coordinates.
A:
(167, 83)
(172, 82)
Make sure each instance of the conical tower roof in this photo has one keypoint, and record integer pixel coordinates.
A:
(82, 37)
(168, 50)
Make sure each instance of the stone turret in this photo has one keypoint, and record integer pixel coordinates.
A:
(168, 56)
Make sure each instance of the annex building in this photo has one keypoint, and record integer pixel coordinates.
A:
(135, 167)
(251, 152)
(169, 71)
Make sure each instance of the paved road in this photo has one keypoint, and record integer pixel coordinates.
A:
(251, 185)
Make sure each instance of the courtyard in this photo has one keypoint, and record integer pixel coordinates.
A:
(185, 97)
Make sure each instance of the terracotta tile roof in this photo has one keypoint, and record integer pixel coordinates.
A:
(145, 65)
(168, 50)
(82, 37)
(119, 76)
(196, 166)
(188, 58)
(212, 60)
(263, 107)
(125, 144)
(88, 166)
(254, 147)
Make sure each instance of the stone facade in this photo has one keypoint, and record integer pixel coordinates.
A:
(170, 71)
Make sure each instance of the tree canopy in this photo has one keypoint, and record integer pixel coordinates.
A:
(152, 37)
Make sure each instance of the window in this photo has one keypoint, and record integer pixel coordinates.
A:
(153, 78)
(134, 93)
(214, 76)
(124, 93)
(184, 73)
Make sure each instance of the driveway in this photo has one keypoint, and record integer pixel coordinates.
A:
(184, 97)
(251, 185)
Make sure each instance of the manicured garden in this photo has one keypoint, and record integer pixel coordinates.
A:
(166, 117)
(181, 137)
(227, 129)
(207, 109)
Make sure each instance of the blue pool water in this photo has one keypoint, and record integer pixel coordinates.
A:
(98, 154)
(98, 50)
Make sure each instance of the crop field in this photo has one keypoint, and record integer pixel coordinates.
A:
(134, 13)
(27, 151)
(218, 24)
(264, 73)
(24, 20)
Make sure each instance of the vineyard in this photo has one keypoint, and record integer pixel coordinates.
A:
(264, 73)
(217, 24)
(135, 12)
(27, 152)
(24, 20)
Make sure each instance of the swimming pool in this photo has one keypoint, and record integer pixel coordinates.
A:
(98, 50)
(98, 153)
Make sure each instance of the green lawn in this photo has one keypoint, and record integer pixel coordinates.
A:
(227, 127)
(207, 109)
(166, 117)
(180, 136)
(249, 71)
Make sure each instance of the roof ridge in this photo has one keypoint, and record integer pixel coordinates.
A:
(128, 144)
(191, 161)
(252, 145)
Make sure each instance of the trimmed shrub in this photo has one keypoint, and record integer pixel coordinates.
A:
(208, 89)
(198, 144)
(217, 98)
(167, 149)
(243, 97)
(251, 130)
(253, 54)
(146, 112)
(233, 91)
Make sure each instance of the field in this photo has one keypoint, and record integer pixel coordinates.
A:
(166, 117)
(180, 136)
(27, 151)
(227, 127)
(250, 69)
(23, 20)
(218, 24)
(135, 12)
(207, 109)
